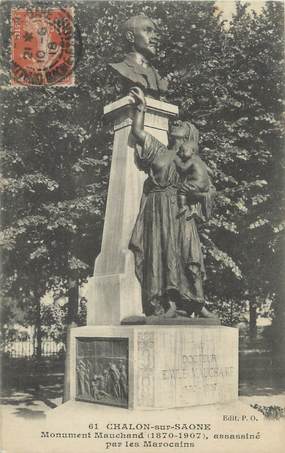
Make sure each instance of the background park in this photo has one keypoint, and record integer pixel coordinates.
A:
(228, 79)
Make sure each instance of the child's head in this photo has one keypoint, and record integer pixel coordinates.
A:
(186, 150)
(187, 137)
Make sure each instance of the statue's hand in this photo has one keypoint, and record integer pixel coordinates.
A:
(138, 95)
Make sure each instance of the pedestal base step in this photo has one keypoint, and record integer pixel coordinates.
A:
(179, 320)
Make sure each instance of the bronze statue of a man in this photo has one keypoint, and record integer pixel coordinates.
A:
(141, 35)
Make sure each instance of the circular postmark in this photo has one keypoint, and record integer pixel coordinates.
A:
(43, 46)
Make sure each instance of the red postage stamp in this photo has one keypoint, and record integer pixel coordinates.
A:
(42, 46)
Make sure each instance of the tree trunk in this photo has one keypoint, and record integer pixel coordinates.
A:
(38, 327)
(278, 336)
(231, 312)
(252, 319)
(278, 324)
(73, 297)
(73, 300)
(37, 340)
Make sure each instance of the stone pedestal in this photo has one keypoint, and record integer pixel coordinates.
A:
(152, 367)
(113, 292)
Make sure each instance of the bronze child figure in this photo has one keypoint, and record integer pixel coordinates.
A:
(194, 175)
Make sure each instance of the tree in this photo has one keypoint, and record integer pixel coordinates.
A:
(50, 210)
(56, 151)
(255, 83)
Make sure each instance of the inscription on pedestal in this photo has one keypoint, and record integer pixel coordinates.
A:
(197, 369)
(198, 373)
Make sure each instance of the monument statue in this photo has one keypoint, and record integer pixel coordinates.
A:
(141, 36)
(150, 269)
(178, 191)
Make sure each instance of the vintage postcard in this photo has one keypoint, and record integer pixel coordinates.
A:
(142, 223)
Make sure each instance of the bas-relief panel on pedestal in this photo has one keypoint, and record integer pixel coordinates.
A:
(102, 370)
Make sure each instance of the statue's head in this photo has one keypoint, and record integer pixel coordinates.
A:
(141, 34)
(184, 134)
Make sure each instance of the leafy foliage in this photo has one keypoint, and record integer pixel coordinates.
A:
(54, 319)
(56, 152)
(271, 412)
